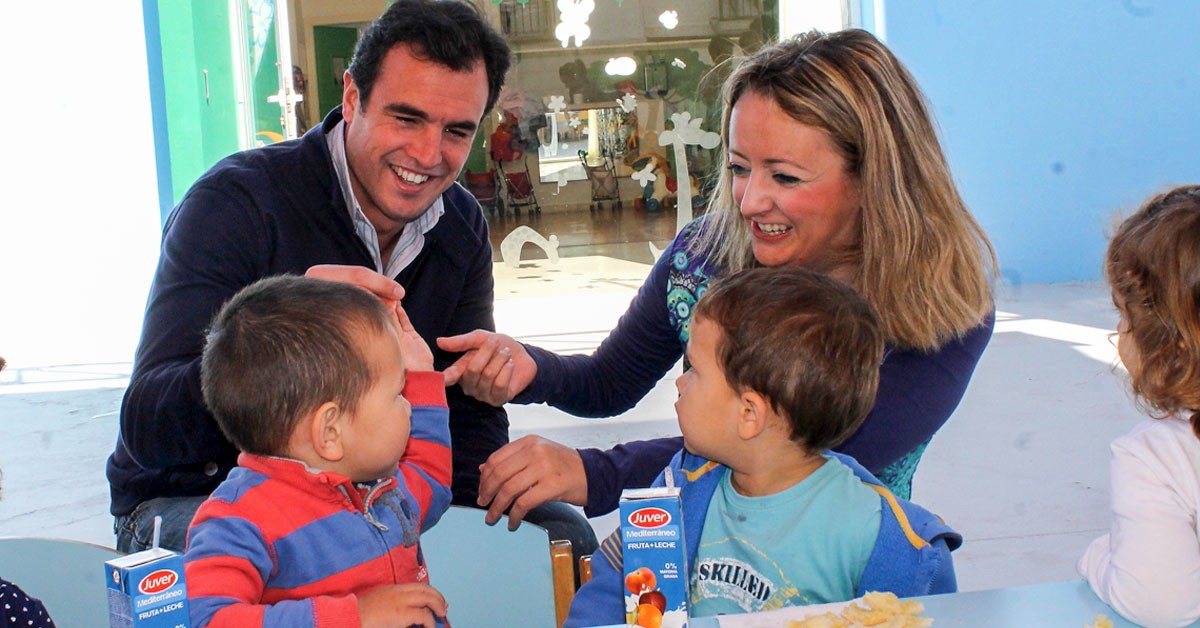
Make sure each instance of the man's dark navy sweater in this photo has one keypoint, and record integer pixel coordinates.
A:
(270, 211)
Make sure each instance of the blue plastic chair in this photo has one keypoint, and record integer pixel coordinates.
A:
(493, 577)
(67, 576)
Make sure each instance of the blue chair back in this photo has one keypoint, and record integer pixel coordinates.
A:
(490, 576)
(67, 576)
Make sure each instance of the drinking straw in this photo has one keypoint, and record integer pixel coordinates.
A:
(157, 528)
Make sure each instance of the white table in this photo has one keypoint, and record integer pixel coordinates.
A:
(1068, 604)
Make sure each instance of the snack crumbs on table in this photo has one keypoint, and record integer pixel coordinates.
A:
(882, 610)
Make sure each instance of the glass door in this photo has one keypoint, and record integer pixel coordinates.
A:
(266, 89)
(220, 82)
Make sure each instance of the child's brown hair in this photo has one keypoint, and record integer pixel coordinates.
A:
(807, 342)
(281, 347)
(1153, 266)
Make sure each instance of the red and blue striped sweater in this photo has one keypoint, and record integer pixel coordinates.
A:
(281, 544)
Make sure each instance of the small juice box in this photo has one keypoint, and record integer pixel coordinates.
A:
(147, 590)
(656, 572)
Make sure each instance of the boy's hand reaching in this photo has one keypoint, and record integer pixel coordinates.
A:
(401, 605)
(416, 354)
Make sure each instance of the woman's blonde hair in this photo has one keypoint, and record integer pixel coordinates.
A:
(921, 260)
(1153, 266)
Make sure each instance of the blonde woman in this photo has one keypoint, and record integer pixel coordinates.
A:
(831, 162)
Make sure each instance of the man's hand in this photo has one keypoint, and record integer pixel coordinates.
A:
(527, 473)
(395, 605)
(417, 355)
(365, 278)
(494, 368)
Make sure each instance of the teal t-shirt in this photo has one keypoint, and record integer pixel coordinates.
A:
(804, 545)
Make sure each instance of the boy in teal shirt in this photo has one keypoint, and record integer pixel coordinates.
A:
(782, 365)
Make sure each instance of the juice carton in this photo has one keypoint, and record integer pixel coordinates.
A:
(656, 572)
(147, 590)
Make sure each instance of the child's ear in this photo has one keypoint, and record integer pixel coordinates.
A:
(755, 415)
(326, 425)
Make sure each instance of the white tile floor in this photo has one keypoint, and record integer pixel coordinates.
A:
(1020, 470)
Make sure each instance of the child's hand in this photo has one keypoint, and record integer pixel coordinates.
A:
(416, 354)
(401, 605)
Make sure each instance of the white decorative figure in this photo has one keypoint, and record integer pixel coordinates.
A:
(557, 104)
(645, 176)
(686, 132)
(628, 103)
(561, 179)
(669, 19)
(574, 123)
(620, 66)
(654, 250)
(510, 247)
(574, 21)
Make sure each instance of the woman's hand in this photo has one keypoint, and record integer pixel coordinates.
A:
(494, 368)
(527, 473)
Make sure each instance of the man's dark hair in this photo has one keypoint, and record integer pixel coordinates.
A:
(448, 32)
(805, 341)
(280, 348)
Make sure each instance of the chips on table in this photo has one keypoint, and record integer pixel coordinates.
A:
(878, 610)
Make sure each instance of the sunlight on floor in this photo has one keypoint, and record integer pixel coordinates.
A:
(568, 307)
(1093, 342)
(64, 378)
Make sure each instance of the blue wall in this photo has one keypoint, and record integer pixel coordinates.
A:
(1057, 114)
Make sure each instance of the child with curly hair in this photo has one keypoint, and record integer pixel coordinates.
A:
(1148, 566)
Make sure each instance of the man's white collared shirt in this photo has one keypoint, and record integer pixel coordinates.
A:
(412, 237)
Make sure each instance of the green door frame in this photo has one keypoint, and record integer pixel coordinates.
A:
(192, 89)
(196, 86)
(332, 44)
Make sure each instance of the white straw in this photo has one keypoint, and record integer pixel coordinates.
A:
(157, 528)
(670, 479)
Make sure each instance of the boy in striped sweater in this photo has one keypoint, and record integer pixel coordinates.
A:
(331, 397)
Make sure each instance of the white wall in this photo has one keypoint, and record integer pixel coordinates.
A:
(79, 225)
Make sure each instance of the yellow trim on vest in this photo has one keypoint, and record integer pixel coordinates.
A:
(692, 476)
(611, 550)
(902, 518)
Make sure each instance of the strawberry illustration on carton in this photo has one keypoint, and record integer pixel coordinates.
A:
(656, 574)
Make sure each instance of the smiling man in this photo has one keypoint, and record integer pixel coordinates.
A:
(367, 197)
